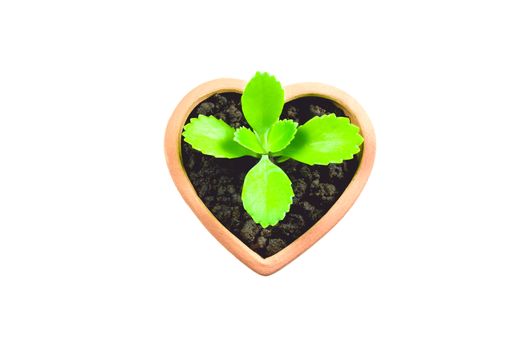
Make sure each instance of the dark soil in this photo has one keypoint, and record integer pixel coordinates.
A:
(218, 182)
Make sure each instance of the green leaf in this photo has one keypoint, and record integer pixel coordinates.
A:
(267, 193)
(213, 137)
(245, 137)
(280, 135)
(262, 102)
(323, 140)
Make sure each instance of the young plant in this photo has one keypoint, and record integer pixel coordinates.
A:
(267, 191)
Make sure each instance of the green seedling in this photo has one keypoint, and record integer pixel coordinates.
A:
(267, 191)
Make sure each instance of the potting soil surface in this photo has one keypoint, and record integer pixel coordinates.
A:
(218, 182)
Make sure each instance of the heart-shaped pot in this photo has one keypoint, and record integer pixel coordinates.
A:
(267, 266)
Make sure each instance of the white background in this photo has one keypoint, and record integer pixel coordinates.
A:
(99, 251)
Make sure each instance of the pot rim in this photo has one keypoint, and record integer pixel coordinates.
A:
(267, 266)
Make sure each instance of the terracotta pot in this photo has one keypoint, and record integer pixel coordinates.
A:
(222, 234)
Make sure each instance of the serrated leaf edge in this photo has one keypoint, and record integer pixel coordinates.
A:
(206, 152)
(339, 160)
(287, 210)
(270, 76)
(293, 135)
(266, 224)
(236, 138)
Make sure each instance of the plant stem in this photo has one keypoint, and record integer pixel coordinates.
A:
(282, 159)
